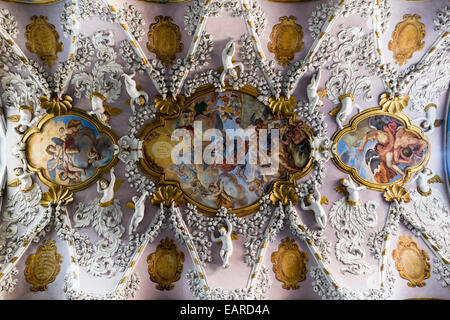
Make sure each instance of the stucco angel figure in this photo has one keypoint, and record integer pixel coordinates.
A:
(19, 150)
(428, 202)
(137, 96)
(429, 122)
(101, 111)
(23, 180)
(105, 215)
(311, 91)
(21, 207)
(315, 205)
(423, 179)
(227, 245)
(108, 189)
(351, 218)
(228, 64)
(23, 119)
(351, 190)
(139, 210)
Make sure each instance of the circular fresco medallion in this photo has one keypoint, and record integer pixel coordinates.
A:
(70, 150)
(225, 149)
(380, 149)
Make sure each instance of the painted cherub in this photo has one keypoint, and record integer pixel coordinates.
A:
(139, 211)
(227, 245)
(315, 205)
(228, 64)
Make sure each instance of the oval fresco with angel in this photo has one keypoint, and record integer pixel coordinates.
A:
(382, 149)
(69, 149)
(238, 120)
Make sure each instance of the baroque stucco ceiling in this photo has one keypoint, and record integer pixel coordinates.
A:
(384, 63)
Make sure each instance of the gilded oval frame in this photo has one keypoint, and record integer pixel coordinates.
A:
(353, 125)
(159, 178)
(100, 128)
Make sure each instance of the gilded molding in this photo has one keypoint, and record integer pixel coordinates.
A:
(411, 262)
(165, 264)
(284, 193)
(43, 266)
(289, 264)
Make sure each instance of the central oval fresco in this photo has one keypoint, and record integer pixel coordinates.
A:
(236, 184)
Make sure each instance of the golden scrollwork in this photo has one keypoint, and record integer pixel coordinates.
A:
(284, 193)
(407, 38)
(164, 40)
(167, 194)
(56, 194)
(55, 105)
(169, 106)
(289, 264)
(286, 40)
(165, 264)
(43, 266)
(42, 39)
(411, 262)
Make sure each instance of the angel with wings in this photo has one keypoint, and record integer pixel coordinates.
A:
(101, 111)
(350, 190)
(108, 188)
(314, 204)
(23, 180)
(424, 178)
(138, 205)
(227, 245)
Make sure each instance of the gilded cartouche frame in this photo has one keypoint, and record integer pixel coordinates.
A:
(99, 171)
(159, 178)
(352, 126)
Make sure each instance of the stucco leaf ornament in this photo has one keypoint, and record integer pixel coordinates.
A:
(168, 194)
(284, 193)
(55, 105)
(169, 106)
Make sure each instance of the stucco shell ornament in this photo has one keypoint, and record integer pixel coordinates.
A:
(407, 38)
(165, 264)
